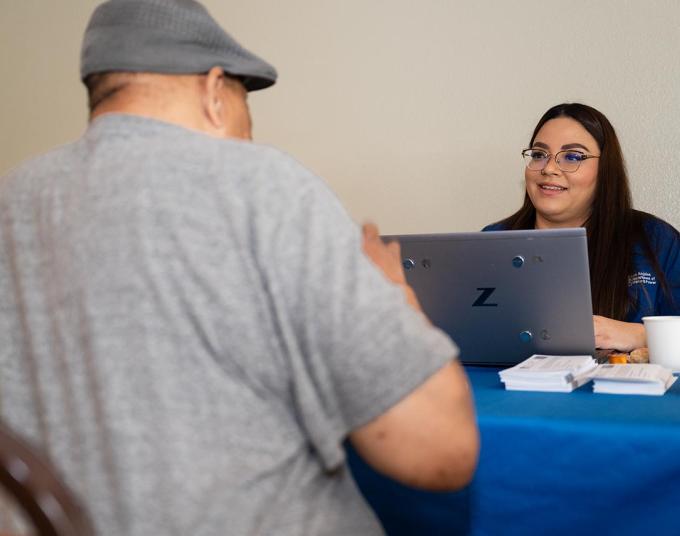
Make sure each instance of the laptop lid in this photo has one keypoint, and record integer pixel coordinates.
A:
(504, 295)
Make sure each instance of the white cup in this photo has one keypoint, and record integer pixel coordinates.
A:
(663, 340)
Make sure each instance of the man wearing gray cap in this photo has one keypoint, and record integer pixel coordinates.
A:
(190, 325)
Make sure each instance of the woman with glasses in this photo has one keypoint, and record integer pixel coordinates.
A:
(575, 177)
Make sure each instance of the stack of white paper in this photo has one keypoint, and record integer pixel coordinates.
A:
(633, 379)
(549, 373)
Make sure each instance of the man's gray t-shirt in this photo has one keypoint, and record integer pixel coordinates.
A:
(189, 328)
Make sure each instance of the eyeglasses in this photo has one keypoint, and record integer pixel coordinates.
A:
(568, 161)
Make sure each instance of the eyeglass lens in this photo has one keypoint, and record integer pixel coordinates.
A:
(566, 160)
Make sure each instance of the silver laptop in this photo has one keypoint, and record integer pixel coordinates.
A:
(505, 295)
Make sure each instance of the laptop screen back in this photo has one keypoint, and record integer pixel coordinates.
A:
(504, 295)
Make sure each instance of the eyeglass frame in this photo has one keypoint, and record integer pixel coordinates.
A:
(548, 156)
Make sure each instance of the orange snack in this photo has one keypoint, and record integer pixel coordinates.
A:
(618, 359)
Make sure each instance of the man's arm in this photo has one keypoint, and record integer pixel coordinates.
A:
(429, 439)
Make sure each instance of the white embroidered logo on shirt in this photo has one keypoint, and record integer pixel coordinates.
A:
(641, 278)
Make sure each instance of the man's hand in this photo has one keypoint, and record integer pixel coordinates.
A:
(387, 257)
(614, 334)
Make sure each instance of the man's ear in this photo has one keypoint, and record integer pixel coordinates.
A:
(213, 96)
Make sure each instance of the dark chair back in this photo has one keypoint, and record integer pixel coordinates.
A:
(37, 489)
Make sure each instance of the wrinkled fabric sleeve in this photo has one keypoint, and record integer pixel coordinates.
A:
(354, 346)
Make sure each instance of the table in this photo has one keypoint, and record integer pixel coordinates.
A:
(551, 463)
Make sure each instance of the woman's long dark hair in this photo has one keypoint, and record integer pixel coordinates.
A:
(613, 227)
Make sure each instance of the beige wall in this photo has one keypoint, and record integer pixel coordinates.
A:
(414, 112)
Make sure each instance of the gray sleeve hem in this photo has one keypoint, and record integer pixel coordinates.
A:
(408, 381)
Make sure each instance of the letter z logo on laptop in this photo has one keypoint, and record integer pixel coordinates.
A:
(485, 292)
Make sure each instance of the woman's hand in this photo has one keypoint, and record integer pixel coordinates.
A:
(617, 335)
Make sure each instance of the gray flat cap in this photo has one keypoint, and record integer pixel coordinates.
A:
(166, 36)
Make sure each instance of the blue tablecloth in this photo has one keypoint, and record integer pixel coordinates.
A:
(551, 463)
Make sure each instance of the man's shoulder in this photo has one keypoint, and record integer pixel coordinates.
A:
(267, 168)
(38, 165)
(266, 157)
